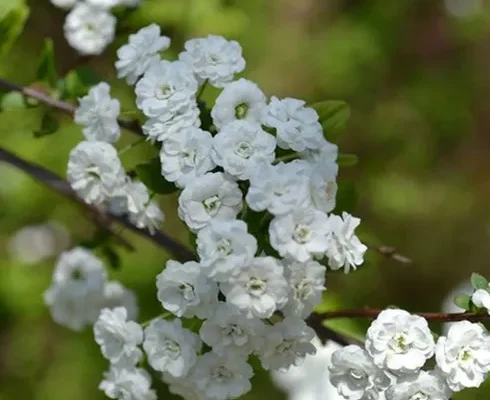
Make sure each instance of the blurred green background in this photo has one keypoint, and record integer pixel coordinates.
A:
(416, 74)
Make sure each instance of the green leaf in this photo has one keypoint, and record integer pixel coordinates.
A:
(46, 70)
(463, 301)
(78, 82)
(347, 160)
(150, 174)
(101, 236)
(347, 197)
(49, 125)
(12, 22)
(12, 100)
(333, 116)
(478, 281)
(112, 257)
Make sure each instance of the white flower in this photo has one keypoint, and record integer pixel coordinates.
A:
(426, 385)
(141, 51)
(116, 295)
(323, 188)
(98, 112)
(165, 89)
(297, 126)
(186, 156)
(118, 338)
(214, 58)
(399, 341)
(239, 145)
(185, 291)
(221, 378)
(89, 29)
(287, 343)
(95, 171)
(212, 196)
(326, 156)
(106, 4)
(230, 333)
(77, 291)
(65, 4)
(224, 247)
(307, 283)
(127, 384)
(170, 347)
(170, 125)
(300, 234)
(258, 289)
(183, 387)
(464, 355)
(355, 376)
(481, 298)
(345, 250)
(279, 188)
(241, 99)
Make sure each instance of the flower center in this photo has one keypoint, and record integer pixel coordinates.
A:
(465, 355)
(241, 110)
(76, 275)
(256, 287)
(302, 290)
(357, 374)
(330, 190)
(187, 292)
(223, 247)
(221, 374)
(236, 333)
(189, 158)
(302, 233)
(287, 345)
(171, 349)
(162, 92)
(400, 343)
(212, 205)
(93, 172)
(419, 396)
(244, 149)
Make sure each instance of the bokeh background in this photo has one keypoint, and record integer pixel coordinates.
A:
(416, 75)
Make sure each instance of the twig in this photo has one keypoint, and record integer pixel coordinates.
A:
(132, 126)
(390, 252)
(325, 333)
(101, 217)
(373, 313)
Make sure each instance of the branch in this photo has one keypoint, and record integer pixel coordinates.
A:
(390, 252)
(325, 333)
(373, 313)
(68, 108)
(101, 217)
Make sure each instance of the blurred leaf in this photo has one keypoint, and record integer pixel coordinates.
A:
(100, 237)
(12, 100)
(478, 281)
(20, 120)
(205, 116)
(78, 82)
(12, 22)
(347, 197)
(112, 257)
(46, 70)
(347, 160)
(333, 115)
(463, 301)
(150, 174)
(49, 125)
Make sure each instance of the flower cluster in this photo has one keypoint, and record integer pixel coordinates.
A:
(89, 26)
(398, 346)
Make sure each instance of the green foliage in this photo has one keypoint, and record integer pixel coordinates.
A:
(46, 70)
(13, 16)
(347, 160)
(112, 257)
(150, 174)
(478, 281)
(78, 82)
(12, 100)
(333, 115)
(49, 125)
(463, 301)
(347, 197)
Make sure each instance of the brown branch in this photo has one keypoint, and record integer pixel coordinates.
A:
(390, 252)
(373, 313)
(68, 108)
(101, 217)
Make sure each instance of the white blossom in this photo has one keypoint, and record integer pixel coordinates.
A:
(345, 250)
(325, 155)
(399, 341)
(214, 59)
(280, 188)
(212, 196)
(118, 338)
(258, 289)
(107, 4)
(307, 283)
(297, 126)
(183, 387)
(170, 347)
(89, 29)
(141, 51)
(98, 112)
(481, 298)
(186, 156)
(230, 333)
(116, 295)
(170, 125)
(77, 290)
(65, 4)
(185, 291)
(287, 343)
(241, 99)
(300, 235)
(221, 378)
(224, 246)
(239, 146)
(355, 376)
(95, 171)
(165, 89)
(127, 384)
(464, 355)
(426, 385)
(323, 188)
